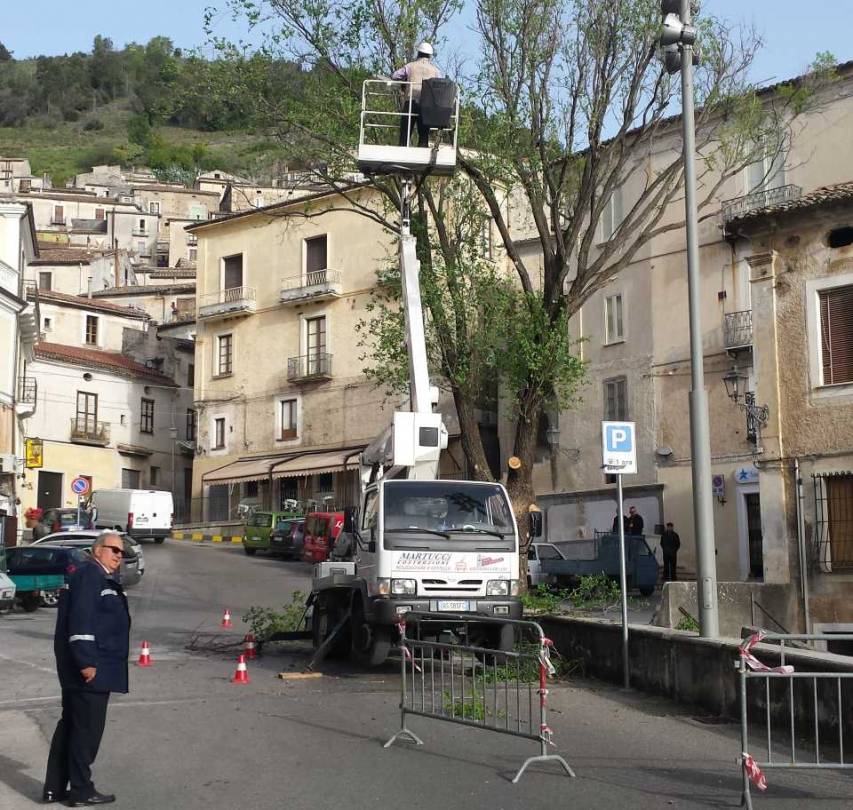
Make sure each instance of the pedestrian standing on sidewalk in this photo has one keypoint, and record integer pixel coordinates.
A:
(670, 542)
(91, 644)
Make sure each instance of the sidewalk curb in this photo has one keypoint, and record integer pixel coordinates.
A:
(201, 537)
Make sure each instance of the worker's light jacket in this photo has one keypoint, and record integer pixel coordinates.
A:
(92, 630)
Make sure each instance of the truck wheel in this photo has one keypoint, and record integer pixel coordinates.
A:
(249, 551)
(647, 591)
(370, 643)
(50, 598)
(324, 619)
(159, 540)
(30, 601)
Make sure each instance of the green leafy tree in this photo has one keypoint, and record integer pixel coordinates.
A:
(563, 105)
(5, 53)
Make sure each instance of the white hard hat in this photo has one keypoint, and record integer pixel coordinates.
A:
(426, 48)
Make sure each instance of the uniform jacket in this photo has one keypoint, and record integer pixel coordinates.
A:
(92, 630)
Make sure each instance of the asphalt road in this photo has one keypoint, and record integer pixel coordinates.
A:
(185, 737)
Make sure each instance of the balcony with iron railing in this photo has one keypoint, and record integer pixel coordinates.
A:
(756, 200)
(316, 286)
(738, 330)
(231, 301)
(27, 396)
(87, 430)
(137, 231)
(309, 367)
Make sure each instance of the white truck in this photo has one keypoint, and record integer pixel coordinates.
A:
(417, 543)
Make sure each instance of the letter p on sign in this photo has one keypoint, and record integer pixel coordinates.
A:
(619, 450)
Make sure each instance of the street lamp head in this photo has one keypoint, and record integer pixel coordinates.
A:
(735, 382)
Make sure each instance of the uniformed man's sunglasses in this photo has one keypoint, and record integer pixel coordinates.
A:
(115, 549)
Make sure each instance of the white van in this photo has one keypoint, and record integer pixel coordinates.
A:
(138, 512)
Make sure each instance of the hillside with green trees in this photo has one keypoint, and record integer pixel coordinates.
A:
(145, 104)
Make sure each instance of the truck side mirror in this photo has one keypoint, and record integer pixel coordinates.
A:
(535, 524)
(350, 519)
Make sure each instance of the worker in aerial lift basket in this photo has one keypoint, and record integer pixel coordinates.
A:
(415, 72)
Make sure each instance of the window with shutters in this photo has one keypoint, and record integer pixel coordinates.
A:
(232, 275)
(147, 422)
(616, 399)
(224, 355)
(219, 433)
(45, 281)
(316, 256)
(612, 216)
(287, 416)
(613, 331)
(58, 215)
(836, 335)
(91, 330)
(100, 213)
(833, 535)
(192, 424)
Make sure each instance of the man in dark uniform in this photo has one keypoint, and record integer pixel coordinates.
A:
(670, 542)
(634, 523)
(91, 645)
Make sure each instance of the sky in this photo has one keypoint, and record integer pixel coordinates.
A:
(793, 30)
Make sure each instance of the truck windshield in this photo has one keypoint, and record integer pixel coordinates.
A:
(466, 515)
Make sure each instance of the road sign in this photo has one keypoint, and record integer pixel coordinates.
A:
(619, 448)
(80, 486)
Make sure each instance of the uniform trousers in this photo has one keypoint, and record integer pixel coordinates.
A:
(75, 742)
(406, 124)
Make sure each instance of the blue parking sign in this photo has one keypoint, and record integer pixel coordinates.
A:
(619, 450)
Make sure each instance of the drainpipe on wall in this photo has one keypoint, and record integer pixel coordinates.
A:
(801, 544)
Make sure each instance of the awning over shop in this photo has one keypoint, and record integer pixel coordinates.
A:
(315, 463)
(252, 469)
(284, 466)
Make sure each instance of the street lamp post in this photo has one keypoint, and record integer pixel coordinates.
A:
(677, 39)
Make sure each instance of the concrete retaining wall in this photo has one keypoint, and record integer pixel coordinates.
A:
(700, 672)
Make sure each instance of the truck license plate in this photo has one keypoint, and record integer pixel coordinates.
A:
(456, 606)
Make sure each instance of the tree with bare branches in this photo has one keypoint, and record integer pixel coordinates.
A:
(565, 104)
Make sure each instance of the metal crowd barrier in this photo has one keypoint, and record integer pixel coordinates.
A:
(785, 755)
(502, 691)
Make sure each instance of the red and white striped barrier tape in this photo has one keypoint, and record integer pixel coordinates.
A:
(753, 772)
(745, 651)
(546, 669)
(407, 653)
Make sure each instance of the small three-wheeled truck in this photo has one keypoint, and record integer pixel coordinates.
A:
(32, 579)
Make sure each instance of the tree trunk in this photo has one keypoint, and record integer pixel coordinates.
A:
(472, 441)
(519, 482)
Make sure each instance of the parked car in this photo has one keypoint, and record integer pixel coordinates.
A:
(259, 528)
(7, 586)
(535, 554)
(40, 571)
(287, 536)
(139, 513)
(67, 519)
(129, 570)
(321, 531)
(89, 535)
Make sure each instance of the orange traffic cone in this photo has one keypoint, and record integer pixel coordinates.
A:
(145, 655)
(241, 675)
(249, 641)
(226, 618)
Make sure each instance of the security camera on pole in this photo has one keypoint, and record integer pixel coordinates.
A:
(677, 39)
(619, 457)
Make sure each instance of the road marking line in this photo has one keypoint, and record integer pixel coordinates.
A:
(177, 535)
(27, 663)
(28, 700)
(217, 538)
(236, 538)
(298, 676)
(197, 537)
